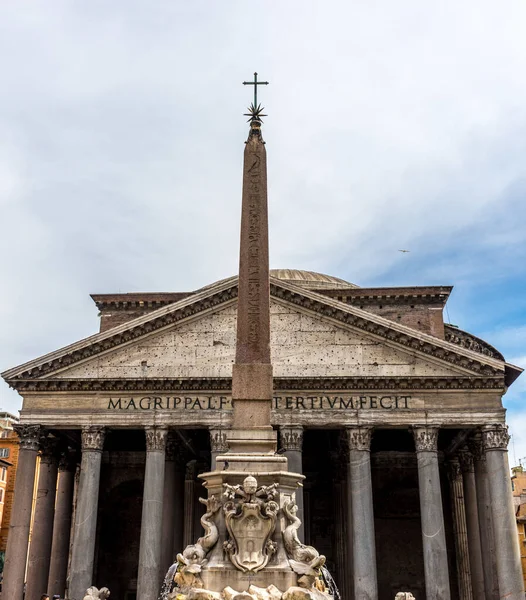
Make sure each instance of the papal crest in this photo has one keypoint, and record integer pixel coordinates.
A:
(250, 515)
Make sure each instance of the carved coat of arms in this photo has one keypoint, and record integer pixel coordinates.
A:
(250, 515)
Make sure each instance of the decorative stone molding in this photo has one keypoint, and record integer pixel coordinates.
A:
(426, 438)
(49, 450)
(476, 447)
(466, 461)
(29, 436)
(455, 382)
(218, 440)
(156, 439)
(93, 438)
(359, 438)
(495, 437)
(327, 307)
(291, 438)
(471, 342)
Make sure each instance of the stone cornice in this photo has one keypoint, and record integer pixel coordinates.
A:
(213, 297)
(390, 296)
(281, 384)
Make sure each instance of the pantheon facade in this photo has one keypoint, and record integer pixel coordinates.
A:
(367, 381)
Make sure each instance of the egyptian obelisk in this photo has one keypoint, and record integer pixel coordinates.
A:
(252, 371)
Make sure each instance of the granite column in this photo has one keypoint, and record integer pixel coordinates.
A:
(62, 526)
(291, 442)
(460, 531)
(509, 569)
(42, 536)
(173, 500)
(472, 522)
(17, 541)
(361, 491)
(189, 503)
(148, 581)
(85, 530)
(431, 513)
(487, 535)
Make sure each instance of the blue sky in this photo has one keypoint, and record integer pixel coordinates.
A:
(391, 125)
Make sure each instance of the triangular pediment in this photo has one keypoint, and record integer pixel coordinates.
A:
(312, 336)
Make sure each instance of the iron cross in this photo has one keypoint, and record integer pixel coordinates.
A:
(255, 83)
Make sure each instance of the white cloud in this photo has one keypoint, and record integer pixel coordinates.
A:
(390, 125)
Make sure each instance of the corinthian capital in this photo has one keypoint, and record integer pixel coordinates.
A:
(29, 436)
(476, 447)
(291, 438)
(359, 438)
(93, 438)
(426, 438)
(218, 441)
(49, 450)
(466, 461)
(155, 439)
(495, 437)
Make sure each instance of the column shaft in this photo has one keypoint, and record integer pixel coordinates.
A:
(61, 528)
(472, 522)
(291, 441)
(364, 549)
(85, 529)
(487, 537)
(17, 541)
(148, 581)
(40, 547)
(189, 503)
(460, 531)
(509, 569)
(433, 534)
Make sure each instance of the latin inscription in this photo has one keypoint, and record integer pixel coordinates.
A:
(335, 402)
(254, 226)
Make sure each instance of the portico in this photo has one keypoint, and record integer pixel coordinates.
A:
(395, 418)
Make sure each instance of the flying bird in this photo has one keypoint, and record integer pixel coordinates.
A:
(404, 250)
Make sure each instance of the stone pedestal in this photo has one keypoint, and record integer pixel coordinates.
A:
(148, 581)
(83, 551)
(433, 534)
(509, 569)
(364, 549)
(16, 552)
(486, 529)
(291, 443)
(62, 526)
(460, 531)
(40, 548)
(472, 522)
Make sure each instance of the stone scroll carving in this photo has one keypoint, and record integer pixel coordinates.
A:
(218, 440)
(29, 436)
(291, 438)
(359, 438)
(155, 439)
(193, 558)
(306, 561)
(426, 439)
(93, 438)
(250, 515)
(93, 592)
(495, 437)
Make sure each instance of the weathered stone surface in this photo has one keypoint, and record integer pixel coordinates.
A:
(302, 345)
